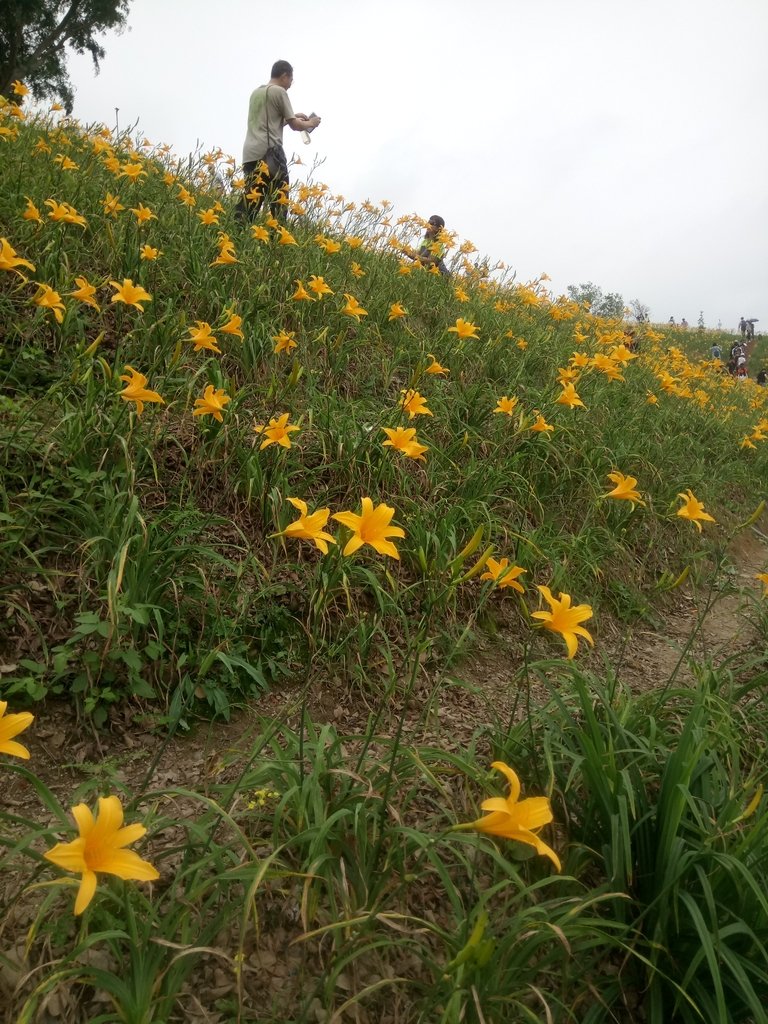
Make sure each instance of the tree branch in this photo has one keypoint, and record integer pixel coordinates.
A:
(56, 37)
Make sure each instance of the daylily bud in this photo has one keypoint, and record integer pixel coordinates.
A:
(479, 566)
(467, 550)
(754, 517)
(475, 949)
(681, 578)
(753, 804)
(421, 555)
(95, 344)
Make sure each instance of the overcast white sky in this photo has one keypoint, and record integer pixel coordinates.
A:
(619, 141)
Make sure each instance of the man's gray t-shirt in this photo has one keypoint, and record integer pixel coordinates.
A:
(265, 128)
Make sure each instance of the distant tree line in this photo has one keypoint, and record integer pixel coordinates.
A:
(592, 297)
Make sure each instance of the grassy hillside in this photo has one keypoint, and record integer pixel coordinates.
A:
(194, 415)
(141, 548)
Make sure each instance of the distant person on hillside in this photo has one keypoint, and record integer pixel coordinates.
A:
(715, 351)
(683, 322)
(749, 334)
(762, 377)
(269, 110)
(432, 250)
(671, 321)
(743, 326)
(630, 340)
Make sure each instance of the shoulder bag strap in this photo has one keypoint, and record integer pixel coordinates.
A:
(266, 116)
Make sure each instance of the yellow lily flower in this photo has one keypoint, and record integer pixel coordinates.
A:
(353, 308)
(372, 527)
(435, 367)
(464, 329)
(129, 293)
(284, 341)
(232, 326)
(414, 404)
(693, 510)
(10, 726)
(64, 212)
(101, 848)
(143, 214)
(403, 439)
(31, 212)
(504, 574)
(85, 292)
(137, 391)
(212, 403)
(564, 619)
(132, 170)
(203, 338)
(319, 286)
(512, 818)
(301, 294)
(112, 205)
(506, 405)
(569, 397)
(541, 425)
(47, 298)
(624, 489)
(10, 261)
(309, 527)
(277, 432)
(65, 163)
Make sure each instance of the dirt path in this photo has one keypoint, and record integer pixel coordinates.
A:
(446, 710)
(649, 657)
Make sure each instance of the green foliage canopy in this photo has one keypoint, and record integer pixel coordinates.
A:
(589, 294)
(34, 35)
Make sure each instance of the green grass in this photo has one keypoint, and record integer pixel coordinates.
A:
(142, 566)
(161, 526)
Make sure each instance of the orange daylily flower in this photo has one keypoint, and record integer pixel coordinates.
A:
(512, 818)
(101, 848)
(277, 432)
(373, 527)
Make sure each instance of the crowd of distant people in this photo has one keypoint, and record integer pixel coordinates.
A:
(736, 362)
(737, 357)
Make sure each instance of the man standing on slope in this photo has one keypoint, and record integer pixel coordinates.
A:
(269, 110)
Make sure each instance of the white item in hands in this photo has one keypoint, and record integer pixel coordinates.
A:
(305, 134)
